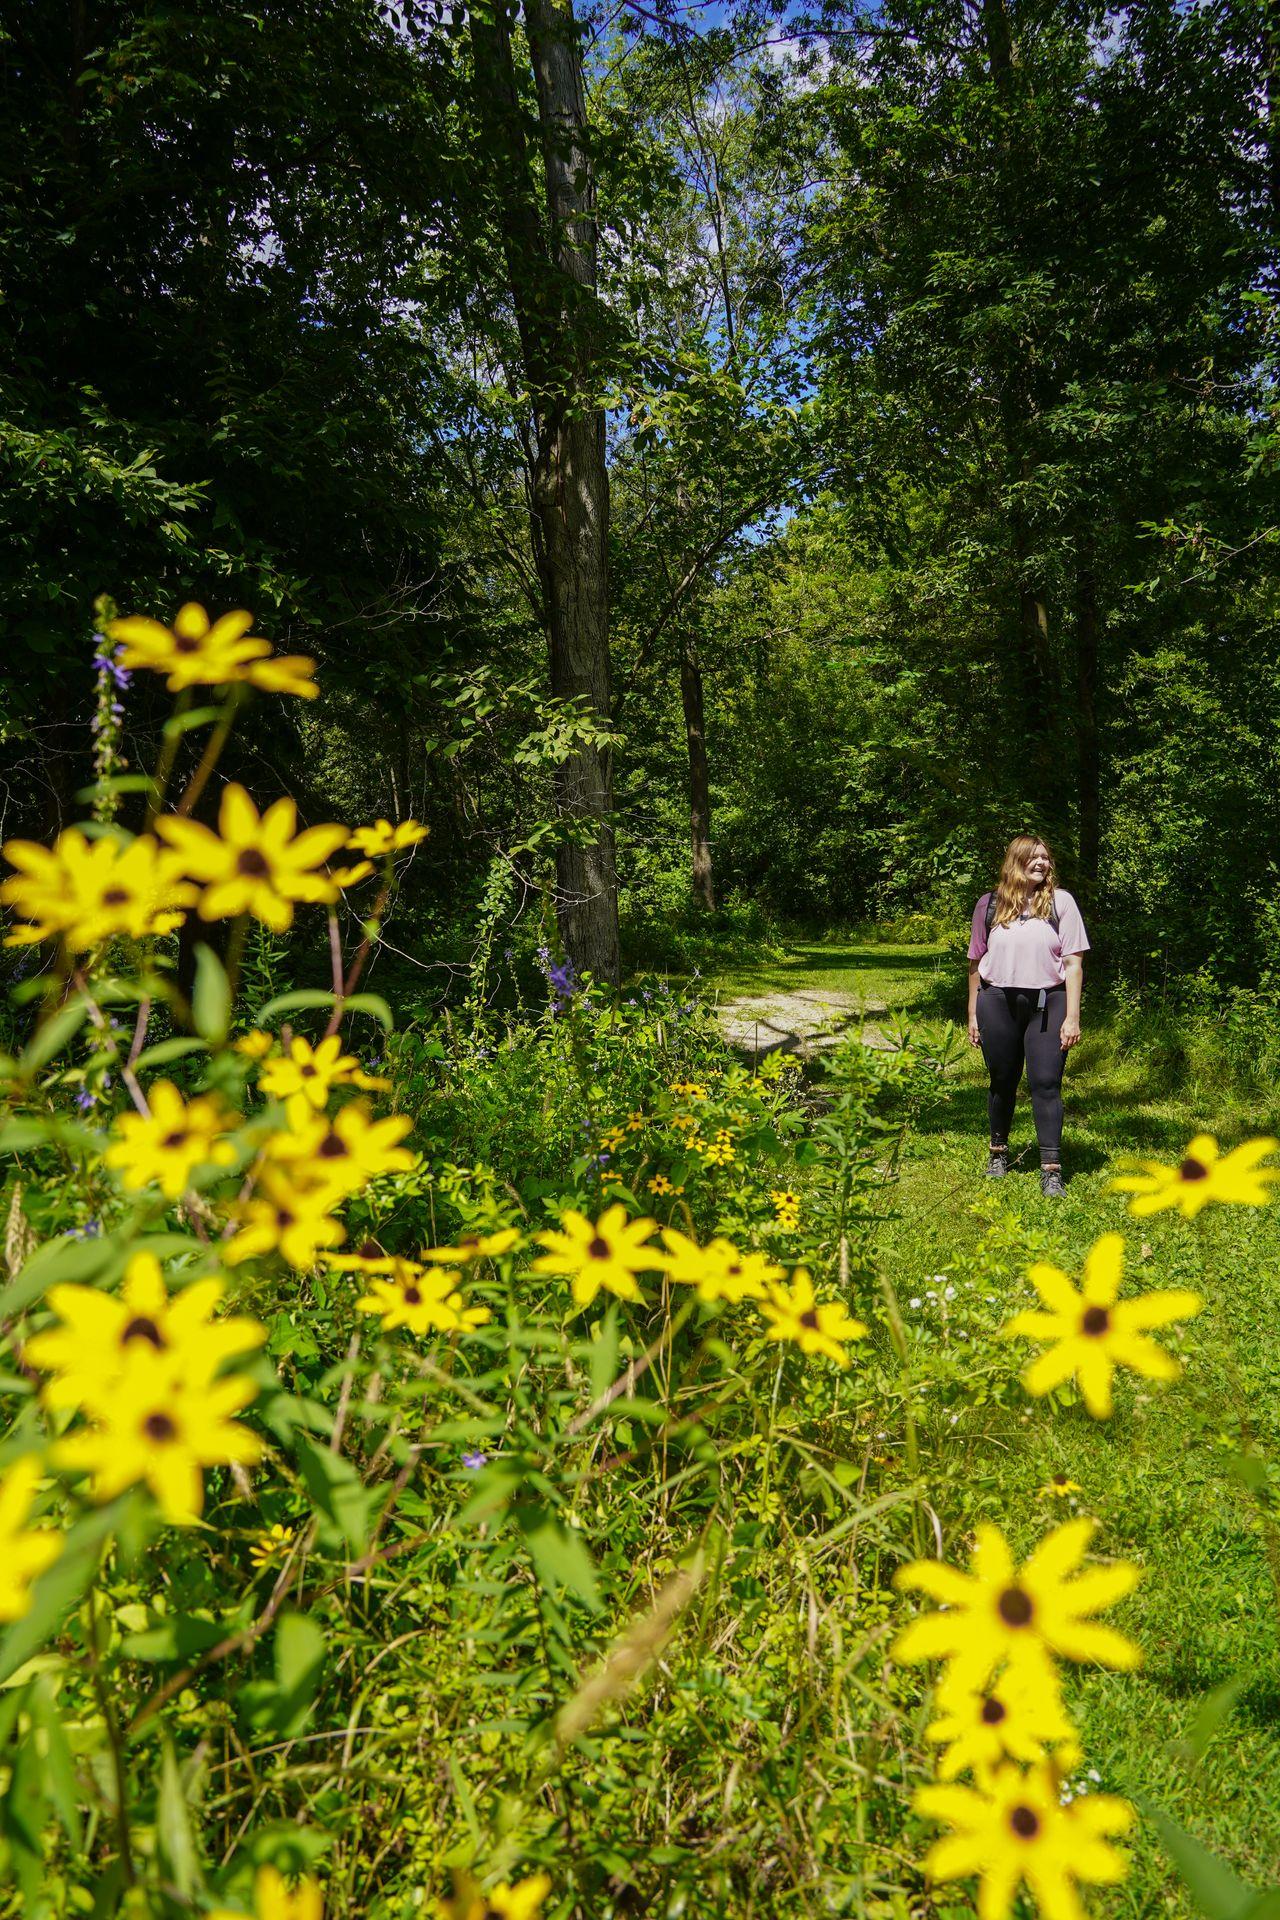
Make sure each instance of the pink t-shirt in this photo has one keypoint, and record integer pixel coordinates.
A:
(1029, 953)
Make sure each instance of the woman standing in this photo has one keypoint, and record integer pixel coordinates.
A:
(1026, 968)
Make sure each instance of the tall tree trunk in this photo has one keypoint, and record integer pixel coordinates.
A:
(1088, 753)
(699, 780)
(551, 265)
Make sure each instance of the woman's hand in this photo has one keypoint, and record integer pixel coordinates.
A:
(1070, 1035)
(975, 1038)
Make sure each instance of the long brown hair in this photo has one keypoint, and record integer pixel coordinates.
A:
(1011, 889)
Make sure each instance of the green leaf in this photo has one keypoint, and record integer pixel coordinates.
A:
(56, 1592)
(179, 1636)
(604, 1355)
(23, 1814)
(299, 999)
(60, 1259)
(175, 1842)
(1214, 1888)
(55, 1131)
(300, 1651)
(211, 996)
(338, 1494)
(59, 1768)
(166, 1050)
(370, 1003)
(52, 1036)
(180, 723)
(559, 1555)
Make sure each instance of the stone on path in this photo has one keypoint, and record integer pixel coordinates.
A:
(808, 1022)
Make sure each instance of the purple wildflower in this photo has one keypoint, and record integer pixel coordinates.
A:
(85, 1100)
(474, 1461)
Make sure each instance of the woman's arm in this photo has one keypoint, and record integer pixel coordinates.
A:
(1070, 1035)
(975, 1038)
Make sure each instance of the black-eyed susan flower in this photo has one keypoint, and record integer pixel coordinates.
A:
(303, 1076)
(346, 1150)
(368, 1257)
(690, 1089)
(275, 1898)
(1059, 1485)
(521, 1901)
(270, 1544)
(719, 1271)
(382, 838)
(1092, 1332)
(197, 652)
(635, 1122)
(607, 1253)
(659, 1183)
(718, 1151)
(159, 1429)
(173, 1142)
(1017, 1830)
(352, 875)
(422, 1299)
(474, 1246)
(815, 1326)
(98, 1333)
(25, 1551)
(85, 892)
(1017, 1716)
(255, 1045)
(255, 863)
(1202, 1176)
(286, 1217)
(612, 1140)
(999, 1613)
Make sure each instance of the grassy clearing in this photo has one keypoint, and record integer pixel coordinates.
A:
(1197, 1732)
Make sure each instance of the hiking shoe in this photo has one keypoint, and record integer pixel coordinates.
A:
(1052, 1185)
(998, 1164)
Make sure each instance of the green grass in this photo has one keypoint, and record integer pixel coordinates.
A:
(1163, 1475)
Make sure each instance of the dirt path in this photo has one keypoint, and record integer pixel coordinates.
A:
(807, 1022)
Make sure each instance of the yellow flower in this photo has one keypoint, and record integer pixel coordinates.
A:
(304, 1075)
(635, 1122)
(1020, 1830)
(255, 1045)
(815, 1327)
(350, 876)
(475, 1246)
(173, 1142)
(195, 653)
(157, 1428)
(999, 1613)
(719, 1271)
(275, 1899)
(785, 1200)
(689, 1089)
(87, 891)
(343, 1152)
(523, 1901)
(282, 1217)
(271, 1543)
(718, 1152)
(1093, 1335)
(611, 1141)
(383, 838)
(99, 1334)
(259, 865)
(1202, 1175)
(1059, 1485)
(608, 1254)
(24, 1552)
(658, 1183)
(422, 1299)
(1014, 1717)
(368, 1257)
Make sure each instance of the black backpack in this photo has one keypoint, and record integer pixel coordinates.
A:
(989, 900)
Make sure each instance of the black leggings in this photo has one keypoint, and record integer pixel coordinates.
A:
(1013, 1025)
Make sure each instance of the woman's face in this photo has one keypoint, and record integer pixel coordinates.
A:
(1038, 867)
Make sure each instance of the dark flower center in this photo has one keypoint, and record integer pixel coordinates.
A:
(1193, 1170)
(412, 1296)
(142, 1328)
(993, 1712)
(599, 1248)
(1025, 1822)
(178, 1138)
(159, 1427)
(1095, 1321)
(332, 1147)
(183, 643)
(1062, 1479)
(252, 862)
(283, 1217)
(369, 1250)
(734, 1270)
(1014, 1607)
(307, 1071)
(809, 1318)
(115, 897)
